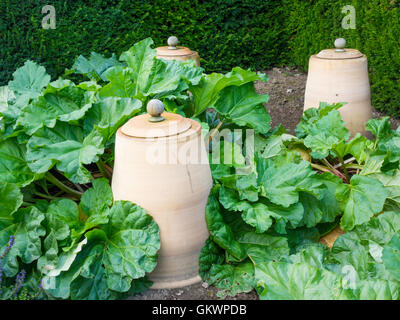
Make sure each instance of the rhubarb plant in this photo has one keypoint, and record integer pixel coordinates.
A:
(62, 235)
(266, 218)
(71, 240)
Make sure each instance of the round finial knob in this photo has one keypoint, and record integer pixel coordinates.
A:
(172, 42)
(155, 108)
(340, 44)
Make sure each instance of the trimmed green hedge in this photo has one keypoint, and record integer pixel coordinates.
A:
(247, 33)
(225, 33)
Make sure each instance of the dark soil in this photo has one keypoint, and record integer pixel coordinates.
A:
(286, 89)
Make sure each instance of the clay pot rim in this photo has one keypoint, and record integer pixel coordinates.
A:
(179, 52)
(332, 54)
(189, 134)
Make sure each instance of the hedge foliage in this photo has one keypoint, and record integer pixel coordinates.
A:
(247, 33)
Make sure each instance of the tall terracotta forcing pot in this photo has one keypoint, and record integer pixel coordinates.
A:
(175, 52)
(161, 164)
(341, 75)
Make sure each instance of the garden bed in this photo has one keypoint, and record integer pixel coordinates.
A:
(286, 90)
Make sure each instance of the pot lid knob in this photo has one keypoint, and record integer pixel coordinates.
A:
(155, 108)
(172, 42)
(340, 44)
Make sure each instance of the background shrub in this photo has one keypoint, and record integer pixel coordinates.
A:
(247, 33)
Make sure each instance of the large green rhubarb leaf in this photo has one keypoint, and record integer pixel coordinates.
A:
(220, 232)
(313, 115)
(388, 141)
(207, 92)
(13, 166)
(110, 114)
(230, 279)
(283, 183)
(66, 104)
(114, 256)
(360, 200)
(326, 134)
(66, 147)
(391, 184)
(391, 256)
(121, 83)
(244, 107)
(6, 96)
(325, 209)
(10, 201)
(26, 229)
(29, 81)
(94, 67)
(299, 281)
(145, 75)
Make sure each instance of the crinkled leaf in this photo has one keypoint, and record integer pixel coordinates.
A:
(312, 115)
(110, 114)
(66, 104)
(377, 289)
(121, 83)
(187, 70)
(6, 97)
(380, 128)
(326, 134)
(262, 215)
(391, 256)
(95, 66)
(207, 92)
(246, 185)
(230, 279)
(49, 260)
(211, 254)
(66, 147)
(348, 251)
(27, 230)
(299, 281)
(325, 209)
(360, 200)
(388, 141)
(283, 183)
(13, 166)
(29, 80)
(220, 232)
(97, 198)
(62, 216)
(95, 203)
(391, 184)
(125, 250)
(263, 247)
(10, 201)
(244, 107)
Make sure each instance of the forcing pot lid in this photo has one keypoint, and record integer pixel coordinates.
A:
(340, 53)
(173, 50)
(156, 123)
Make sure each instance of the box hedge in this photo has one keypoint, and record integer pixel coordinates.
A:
(248, 33)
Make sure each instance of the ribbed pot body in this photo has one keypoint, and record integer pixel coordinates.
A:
(341, 80)
(169, 177)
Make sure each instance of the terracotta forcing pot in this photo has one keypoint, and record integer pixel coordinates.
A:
(175, 52)
(341, 75)
(161, 164)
